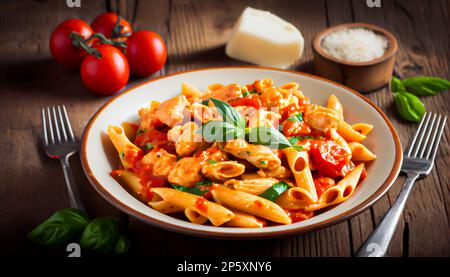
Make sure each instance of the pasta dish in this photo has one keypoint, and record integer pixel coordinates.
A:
(241, 156)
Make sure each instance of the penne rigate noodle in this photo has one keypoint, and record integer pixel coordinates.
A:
(340, 192)
(130, 180)
(216, 213)
(362, 128)
(130, 130)
(249, 203)
(335, 104)
(348, 133)
(165, 207)
(340, 140)
(245, 220)
(253, 186)
(360, 153)
(121, 143)
(299, 164)
(222, 171)
(195, 217)
(294, 198)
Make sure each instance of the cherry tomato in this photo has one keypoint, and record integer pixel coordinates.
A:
(105, 75)
(329, 158)
(322, 184)
(249, 101)
(106, 22)
(146, 53)
(61, 46)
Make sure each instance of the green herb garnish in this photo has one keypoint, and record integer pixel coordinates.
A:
(275, 191)
(263, 162)
(59, 229)
(297, 117)
(199, 189)
(148, 146)
(212, 161)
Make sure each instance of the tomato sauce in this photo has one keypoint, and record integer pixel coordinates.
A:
(201, 204)
(299, 215)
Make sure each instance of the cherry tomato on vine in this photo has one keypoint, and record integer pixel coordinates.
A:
(105, 75)
(61, 46)
(146, 52)
(106, 24)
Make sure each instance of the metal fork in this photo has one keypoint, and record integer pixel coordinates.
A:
(60, 143)
(417, 163)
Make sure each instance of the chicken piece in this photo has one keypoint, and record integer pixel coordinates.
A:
(172, 111)
(258, 155)
(161, 161)
(185, 138)
(186, 172)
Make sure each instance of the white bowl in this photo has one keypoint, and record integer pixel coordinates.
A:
(99, 158)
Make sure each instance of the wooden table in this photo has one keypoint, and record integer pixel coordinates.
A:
(32, 185)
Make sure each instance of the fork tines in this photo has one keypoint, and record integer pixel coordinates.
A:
(425, 142)
(58, 129)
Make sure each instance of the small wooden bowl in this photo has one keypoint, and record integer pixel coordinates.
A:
(361, 76)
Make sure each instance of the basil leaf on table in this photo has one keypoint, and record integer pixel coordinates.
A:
(425, 86)
(60, 228)
(229, 114)
(270, 137)
(274, 191)
(409, 106)
(122, 245)
(397, 85)
(101, 235)
(220, 131)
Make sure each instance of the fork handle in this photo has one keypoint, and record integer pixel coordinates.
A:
(75, 199)
(377, 243)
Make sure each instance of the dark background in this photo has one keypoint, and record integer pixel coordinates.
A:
(32, 185)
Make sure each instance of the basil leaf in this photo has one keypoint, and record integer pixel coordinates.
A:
(60, 228)
(297, 117)
(409, 106)
(397, 85)
(274, 191)
(199, 188)
(122, 245)
(219, 131)
(205, 102)
(268, 136)
(424, 86)
(101, 235)
(229, 114)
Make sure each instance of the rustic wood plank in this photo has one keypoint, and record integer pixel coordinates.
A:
(415, 27)
(29, 80)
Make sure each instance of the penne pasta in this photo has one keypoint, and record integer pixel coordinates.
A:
(254, 186)
(131, 181)
(165, 207)
(122, 144)
(245, 220)
(360, 153)
(221, 171)
(215, 213)
(362, 128)
(299, 164)
(348, 133)
(335, 104)
(249, 203)
(340, 192)
(195, 217)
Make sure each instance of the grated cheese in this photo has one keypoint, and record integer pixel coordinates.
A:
(355, 45)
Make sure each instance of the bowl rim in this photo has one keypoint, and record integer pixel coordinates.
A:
(390, 52)
(249, 235)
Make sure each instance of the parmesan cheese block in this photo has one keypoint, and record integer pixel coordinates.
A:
(265, 39)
